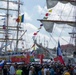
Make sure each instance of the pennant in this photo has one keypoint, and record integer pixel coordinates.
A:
(33, 52)
(59, 54)
(41, 25)
(47, 14)
(35, 33)
(50, 10)
(45, 18)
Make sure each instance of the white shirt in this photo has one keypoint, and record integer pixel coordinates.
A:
(12, 70)
(45, 70)
(74, 70)
(30, 72)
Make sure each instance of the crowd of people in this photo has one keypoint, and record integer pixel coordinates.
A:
(39, 69)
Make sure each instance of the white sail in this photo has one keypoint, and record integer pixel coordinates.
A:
(52, 3)
(48, 25)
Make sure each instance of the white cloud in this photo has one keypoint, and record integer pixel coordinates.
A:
(11, 5)
(30, 27)
(27, 16)
(40, 9)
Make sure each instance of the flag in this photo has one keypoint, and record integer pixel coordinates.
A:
(41, 56)
(20, 18)
(33, 52)
(50, 10)
(37, 31)
(35, 34)
(59, 54)
(47, 14)
(45, 18)
(41, 25)
(2, 63)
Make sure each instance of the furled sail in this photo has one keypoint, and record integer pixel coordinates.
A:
(52, 3)
(47, 25)
(50, 23)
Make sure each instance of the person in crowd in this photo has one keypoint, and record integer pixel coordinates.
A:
(5, 71)
(31, 70)
(42, 70)
(66, 72)
(25, 69)
(46, 70)
(51, 69)
(39, 72)
(12, 70)
(34, 71)
(74, 71)
(37, 68)
(58, 72)
(19, 71)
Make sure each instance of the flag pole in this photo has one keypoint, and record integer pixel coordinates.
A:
(6, 36)
(17, 27)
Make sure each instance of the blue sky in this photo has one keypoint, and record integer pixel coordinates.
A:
(36, 9)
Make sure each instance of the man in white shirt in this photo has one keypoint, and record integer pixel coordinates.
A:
(12, 70)
(31, 70)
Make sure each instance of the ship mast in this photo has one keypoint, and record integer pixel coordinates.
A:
(17, 26)
(73, 33)
(12, 28)
(6, 36)
(51, 4)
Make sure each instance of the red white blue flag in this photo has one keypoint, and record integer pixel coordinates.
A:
(2, 64)
(59, 54)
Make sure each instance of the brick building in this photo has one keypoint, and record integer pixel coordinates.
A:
(68, 48)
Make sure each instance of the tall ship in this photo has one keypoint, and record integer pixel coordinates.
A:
(11, 31)
(64, 16)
